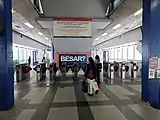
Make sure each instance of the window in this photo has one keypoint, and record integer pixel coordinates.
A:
(124, 53)
(25, 55)
(119, 52)
(138, 55)
(112, 54)
(131, 52)
(115, 54)
(21, 57)
(15, 53)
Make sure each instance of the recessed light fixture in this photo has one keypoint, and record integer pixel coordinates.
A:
(46, 38)
(13, 11)
(138, 12)
(40, 33)
(97, 38)
(117, 26)
(29, 25)
(104, 34)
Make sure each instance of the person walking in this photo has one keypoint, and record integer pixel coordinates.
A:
(91, 76)
(98, 69)
(29, 60)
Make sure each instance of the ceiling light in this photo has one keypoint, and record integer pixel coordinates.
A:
(46, 38)
(13, 11)
(40, 33)
(29, 25)
(104, 34)
(138, 12)
(117, 26)
(97, 39)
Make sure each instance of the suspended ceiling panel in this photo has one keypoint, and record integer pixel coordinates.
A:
(74, 8)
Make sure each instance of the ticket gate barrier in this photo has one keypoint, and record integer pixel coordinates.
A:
(43, 70)
(37, 69)
(116, 70)
(111, 71)
(53, 70)
(75, 70)
(18, 73)
(22, 72)
(134, 70)
(123, 71)
(63, 70)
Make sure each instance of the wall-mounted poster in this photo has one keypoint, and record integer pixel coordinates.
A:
(153, 66)
(152, 73)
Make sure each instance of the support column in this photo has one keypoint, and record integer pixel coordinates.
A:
(6, 56)
(150, 49)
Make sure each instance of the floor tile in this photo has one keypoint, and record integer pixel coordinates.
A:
(26, 114)
(136, 87)
(120, 92)
(65, 94)
(109, 112)
(99, 97)
(63, 114)
(146, 112)
(36, 95)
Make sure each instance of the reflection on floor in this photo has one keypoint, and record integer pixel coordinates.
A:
(64, 100)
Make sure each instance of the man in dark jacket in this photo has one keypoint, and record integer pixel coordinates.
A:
(98, 69)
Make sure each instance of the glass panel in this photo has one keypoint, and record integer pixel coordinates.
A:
(25, 54)
(131, 52)
(21, 57)
(115, 54)
(15, 53)
(119, 54)
(125, 53)
(138, 55)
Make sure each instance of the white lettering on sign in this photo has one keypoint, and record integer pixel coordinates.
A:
(73, 58)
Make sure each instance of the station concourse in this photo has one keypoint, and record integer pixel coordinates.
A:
(44, 49)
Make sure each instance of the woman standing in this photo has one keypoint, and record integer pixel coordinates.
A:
(91, 76)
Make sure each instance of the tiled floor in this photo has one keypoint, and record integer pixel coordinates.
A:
(64, 100)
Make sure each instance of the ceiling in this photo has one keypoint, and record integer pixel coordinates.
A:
(74, 8)
(24, 12)
(18, 25)
(124, 16)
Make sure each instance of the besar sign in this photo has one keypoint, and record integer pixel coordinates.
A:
(73, 58)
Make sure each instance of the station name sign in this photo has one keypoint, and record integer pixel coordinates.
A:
(73, 58)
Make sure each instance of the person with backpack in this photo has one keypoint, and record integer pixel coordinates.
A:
(91, 76)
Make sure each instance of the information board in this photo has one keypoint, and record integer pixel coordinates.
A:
(72, 28)
(70, 59)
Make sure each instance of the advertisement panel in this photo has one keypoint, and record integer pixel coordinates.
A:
(72, 28)
(70, 59)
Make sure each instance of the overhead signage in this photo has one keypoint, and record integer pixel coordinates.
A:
(72, 28)
(73, 58)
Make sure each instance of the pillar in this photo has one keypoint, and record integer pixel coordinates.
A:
(6, 56)
(151, 49)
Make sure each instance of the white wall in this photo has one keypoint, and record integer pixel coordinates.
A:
(23, 40)
(132, 36)
(73, 44)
